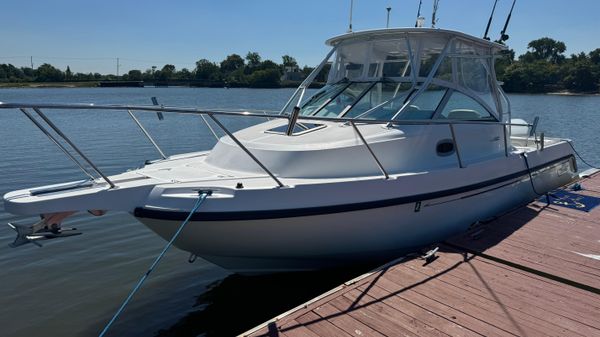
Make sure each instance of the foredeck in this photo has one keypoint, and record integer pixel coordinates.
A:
(532, 272)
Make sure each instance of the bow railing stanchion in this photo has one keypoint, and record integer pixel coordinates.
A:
(245, 149)
(456, 148)
(503, 126)
(383, 171)
(57, 143)
(147, 134)
(63, 136)
(209, 127)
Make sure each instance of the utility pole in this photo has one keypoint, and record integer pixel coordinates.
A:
(31, 61)
(387, 25)
(350, 24)
(117, 67)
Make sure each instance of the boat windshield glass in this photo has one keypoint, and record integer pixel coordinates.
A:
(382, 100)
(410, 75)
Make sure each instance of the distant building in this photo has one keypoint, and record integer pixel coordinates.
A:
(292, 74)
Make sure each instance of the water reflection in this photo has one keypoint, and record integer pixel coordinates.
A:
(239, 303)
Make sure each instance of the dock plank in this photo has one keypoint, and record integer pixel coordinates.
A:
(534, 271)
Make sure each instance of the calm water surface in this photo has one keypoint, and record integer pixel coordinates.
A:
(71, 287)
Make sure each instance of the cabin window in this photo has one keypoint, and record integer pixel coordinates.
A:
(430, 50)
(373, 70)
(504, 104)
(349, 62)
(353, 70)
(344, 100)
(321, 97)
(424, 106)
(474, 75)
(444, 71)
(463, 107)
(396, 66)
(382, 101)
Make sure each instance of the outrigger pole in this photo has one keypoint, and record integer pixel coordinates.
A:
(487, 29)
(503, 35)
(433, 15)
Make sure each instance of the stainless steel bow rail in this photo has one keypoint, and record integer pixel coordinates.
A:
(213, 115)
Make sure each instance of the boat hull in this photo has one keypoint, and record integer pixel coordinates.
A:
(299, 243)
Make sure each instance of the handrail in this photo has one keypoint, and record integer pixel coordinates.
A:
(63, 136)
(456, 149)
(245, 149)
(379, 165)
(212, 115)
(147, 134)
(57, 143)
(197, 111)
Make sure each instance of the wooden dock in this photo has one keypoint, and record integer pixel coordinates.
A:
(532, 272)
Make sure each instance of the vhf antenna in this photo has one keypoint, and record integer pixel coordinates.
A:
(418, 14)
(350, 24)
(503, 36)
(435, 8)
(487, 29)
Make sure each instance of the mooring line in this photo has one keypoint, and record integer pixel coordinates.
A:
(201, 198)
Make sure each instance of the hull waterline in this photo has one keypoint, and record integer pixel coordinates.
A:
(299, 243)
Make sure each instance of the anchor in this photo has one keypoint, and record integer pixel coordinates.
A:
(48, 228)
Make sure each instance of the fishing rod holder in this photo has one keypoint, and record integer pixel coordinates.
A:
(292, 122)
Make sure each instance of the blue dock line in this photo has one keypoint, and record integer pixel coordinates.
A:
(201, 198)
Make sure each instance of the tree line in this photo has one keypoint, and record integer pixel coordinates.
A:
(234, 71)
(543, 68)
(546, 68)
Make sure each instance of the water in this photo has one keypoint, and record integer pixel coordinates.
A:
(73, 286)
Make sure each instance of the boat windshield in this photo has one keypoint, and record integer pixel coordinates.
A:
(382, 100)
(410, 75)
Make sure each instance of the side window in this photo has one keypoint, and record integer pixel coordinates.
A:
(463, 107)
(424, 106)
(380, 93)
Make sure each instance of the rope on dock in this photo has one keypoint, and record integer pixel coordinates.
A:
(581, 158)
(201, 198)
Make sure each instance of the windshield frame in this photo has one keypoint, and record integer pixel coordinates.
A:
(451, 45)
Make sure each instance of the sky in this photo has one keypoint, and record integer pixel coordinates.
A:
(89, 36)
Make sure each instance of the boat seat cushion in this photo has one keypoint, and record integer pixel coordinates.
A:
(464, 114)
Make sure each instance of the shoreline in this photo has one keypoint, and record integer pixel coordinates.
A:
(95, 84)
(571, 93)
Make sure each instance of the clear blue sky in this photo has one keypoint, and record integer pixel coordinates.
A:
(89, 35)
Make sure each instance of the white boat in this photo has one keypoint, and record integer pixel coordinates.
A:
(410, 141)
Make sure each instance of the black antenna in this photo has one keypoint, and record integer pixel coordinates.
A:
(418, 13)
(487, 29)
(503, 36)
